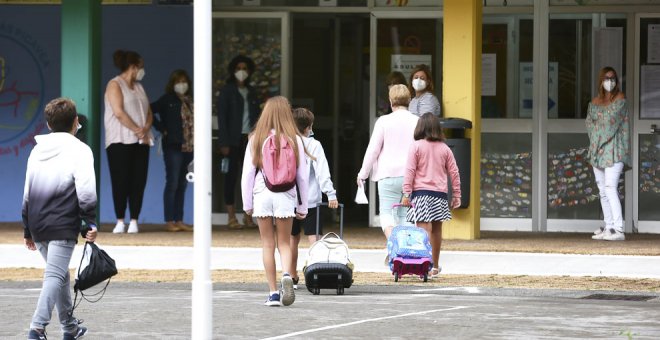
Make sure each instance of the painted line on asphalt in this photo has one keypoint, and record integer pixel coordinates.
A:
(471, 290)
(320, 329)
(224, 292)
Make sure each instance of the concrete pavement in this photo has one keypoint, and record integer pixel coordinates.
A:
(409, 311)
(453, 262)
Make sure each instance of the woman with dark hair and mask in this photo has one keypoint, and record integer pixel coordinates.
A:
(421, 87)
(609, 150)
(127, 121)
(174, 119)
(238, 110)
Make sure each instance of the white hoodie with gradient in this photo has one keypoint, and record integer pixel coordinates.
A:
(319, 173)
(60, 188)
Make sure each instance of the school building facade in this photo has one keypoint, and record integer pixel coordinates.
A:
(521, 71)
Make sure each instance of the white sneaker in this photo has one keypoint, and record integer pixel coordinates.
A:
(119, 228)
(598, 236)
(133, 227)
(613, 235)
(599, 231)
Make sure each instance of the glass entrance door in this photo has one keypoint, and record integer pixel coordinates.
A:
(330, 58)
(646, 136)
(399, 41)
(579, 45)
(263, 38)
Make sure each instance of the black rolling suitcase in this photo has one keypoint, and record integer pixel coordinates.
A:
(328, 264)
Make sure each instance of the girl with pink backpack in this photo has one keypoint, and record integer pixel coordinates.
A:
(274, 189)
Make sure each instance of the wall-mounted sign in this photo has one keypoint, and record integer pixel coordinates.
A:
(526, 106)
(488, 74)
(405, 63)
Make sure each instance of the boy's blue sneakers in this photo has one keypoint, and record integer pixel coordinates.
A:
(273, 300)
(75, 335)
(34, 334)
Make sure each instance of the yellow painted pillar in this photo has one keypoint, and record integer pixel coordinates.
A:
(461, 98)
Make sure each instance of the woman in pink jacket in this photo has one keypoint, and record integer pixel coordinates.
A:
(385, 158)
(430, 160)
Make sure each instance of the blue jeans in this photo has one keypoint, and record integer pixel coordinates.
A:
(176, 167)
(56, 289)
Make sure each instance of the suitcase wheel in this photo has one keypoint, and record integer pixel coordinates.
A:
(396, 276)
(340, 290)
(317, 291)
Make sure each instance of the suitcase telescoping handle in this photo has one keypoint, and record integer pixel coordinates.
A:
(395, 210)
(341, 219)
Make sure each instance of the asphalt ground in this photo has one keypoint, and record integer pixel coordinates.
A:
(410, 311)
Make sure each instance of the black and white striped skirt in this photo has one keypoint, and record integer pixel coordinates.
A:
(429, 206)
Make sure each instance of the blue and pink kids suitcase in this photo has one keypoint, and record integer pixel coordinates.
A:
(409, 251)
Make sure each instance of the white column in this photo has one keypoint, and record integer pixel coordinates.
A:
(540, 117)
(202, 294)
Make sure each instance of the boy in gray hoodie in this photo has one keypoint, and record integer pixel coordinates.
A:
(60, 193)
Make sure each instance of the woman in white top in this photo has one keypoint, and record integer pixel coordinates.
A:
(422, 88)
(128, 137)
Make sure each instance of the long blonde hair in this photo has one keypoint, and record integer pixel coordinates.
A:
(275, 116)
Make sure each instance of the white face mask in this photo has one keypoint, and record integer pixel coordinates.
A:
(418, 84)
(181, 88)
(78, 127)
(140, 74)
(609, 85)
(241, 75)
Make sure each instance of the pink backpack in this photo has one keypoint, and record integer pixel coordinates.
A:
(279, 173)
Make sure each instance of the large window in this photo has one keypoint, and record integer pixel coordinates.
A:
(506, 67)
(572, 191)
(579, 46)
(649, 177)
(259, 38)
(402, 44)
(506, 175)
(649, 120)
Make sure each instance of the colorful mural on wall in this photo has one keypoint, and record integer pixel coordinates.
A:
(29, 76)
(22, 89)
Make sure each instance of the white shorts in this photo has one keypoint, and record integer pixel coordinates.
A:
(274, 204)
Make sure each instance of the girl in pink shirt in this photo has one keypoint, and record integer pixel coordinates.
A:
(425, 182)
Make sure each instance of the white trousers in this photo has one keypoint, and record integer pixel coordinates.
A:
(607, 181)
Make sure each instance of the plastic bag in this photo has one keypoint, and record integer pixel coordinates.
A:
(360, 196)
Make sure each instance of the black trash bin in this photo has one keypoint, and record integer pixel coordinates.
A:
(454, 130)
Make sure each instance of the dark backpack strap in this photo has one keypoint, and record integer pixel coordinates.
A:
(298, 194)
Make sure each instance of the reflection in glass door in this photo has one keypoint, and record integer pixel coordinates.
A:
(399, 42)
(578, 46)
(329, 60)
(646, 136)
(262, 37)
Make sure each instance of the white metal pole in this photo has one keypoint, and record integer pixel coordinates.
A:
(202, 304)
